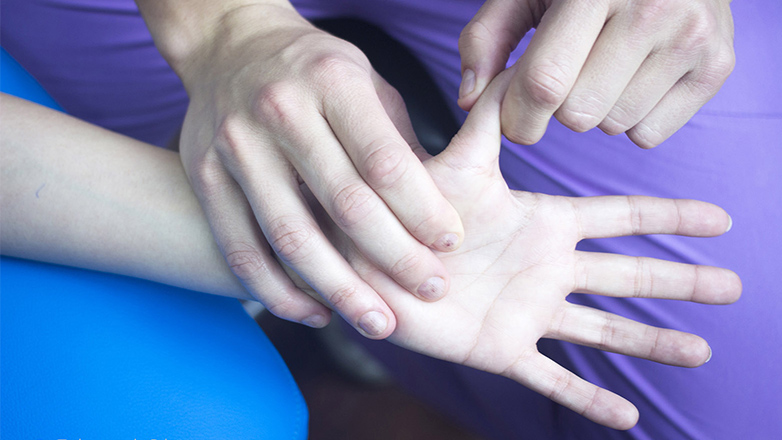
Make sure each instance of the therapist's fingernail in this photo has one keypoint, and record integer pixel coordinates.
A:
(373, 323)
(468, 83)
(432, 289)
(730, 223)
(315, 321)
(709, 358)
(447, 243)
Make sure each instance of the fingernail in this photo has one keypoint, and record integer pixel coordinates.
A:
(315, 321)
(709, 358)
(373, 323)
(730, 224)
(432, 289)
(447, 243)
(468, 83)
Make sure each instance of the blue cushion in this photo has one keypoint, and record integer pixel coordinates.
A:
(99, 356)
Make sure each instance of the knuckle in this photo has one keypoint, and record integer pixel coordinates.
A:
(559, 387)
(475, 34)
(207, 176)
(546, 84)
(291, 239)
(634, 215)
(340, 67)
(353, 203)
(614, 124)
(478, 37)
(277, 103)
(405, 265)
(343, 296)
(608, 333)
(385, 166)
(697, 34)
(642, 280)
(246, 262)
(232, 138)
(655, 348)
(721, 67)
(650, 12)
(645, 136)
(581, 112)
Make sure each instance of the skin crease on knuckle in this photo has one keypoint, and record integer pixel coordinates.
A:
(582, 112)
(232, 141)
(291, 239)
(546, 84)
(386, 165)
(405, 265)
(277, 104)
(207, 176)
(245, 262)
(335, 69)
(353, 203)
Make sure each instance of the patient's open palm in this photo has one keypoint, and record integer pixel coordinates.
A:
(518, 263)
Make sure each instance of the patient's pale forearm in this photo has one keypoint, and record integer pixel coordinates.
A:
(78, 195)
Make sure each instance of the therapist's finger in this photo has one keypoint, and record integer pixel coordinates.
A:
(486, 43)
(395, 108)
(681, 103)
(297, 239)
(246, 251)
(654, 79)
(621, 49)
(358, 211)
(550, 66)
(387, 164)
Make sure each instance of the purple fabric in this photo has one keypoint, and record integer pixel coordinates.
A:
(99, 62)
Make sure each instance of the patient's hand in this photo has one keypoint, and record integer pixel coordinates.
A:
(518, 263)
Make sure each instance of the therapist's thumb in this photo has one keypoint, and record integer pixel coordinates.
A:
(486, 43)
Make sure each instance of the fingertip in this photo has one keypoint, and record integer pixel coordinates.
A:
(730, 223)
(615, 411)
(375, 325)
(629, 419)
(317, 320)
(448, 243)
(432, 289)
(468, 83)
(733, 288)
(699, 352)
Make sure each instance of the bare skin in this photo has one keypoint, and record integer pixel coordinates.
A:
(637, 67)
(510, 278)
(518, 263)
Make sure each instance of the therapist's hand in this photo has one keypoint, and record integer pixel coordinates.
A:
(641, 67)
(518, 263)
(275, 102)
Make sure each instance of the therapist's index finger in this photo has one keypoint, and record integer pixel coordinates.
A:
(389, 166)
(550, 66)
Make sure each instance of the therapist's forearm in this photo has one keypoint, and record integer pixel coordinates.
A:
(186, 30)
(75, 194)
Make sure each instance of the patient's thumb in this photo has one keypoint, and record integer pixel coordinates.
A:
(477, 143)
